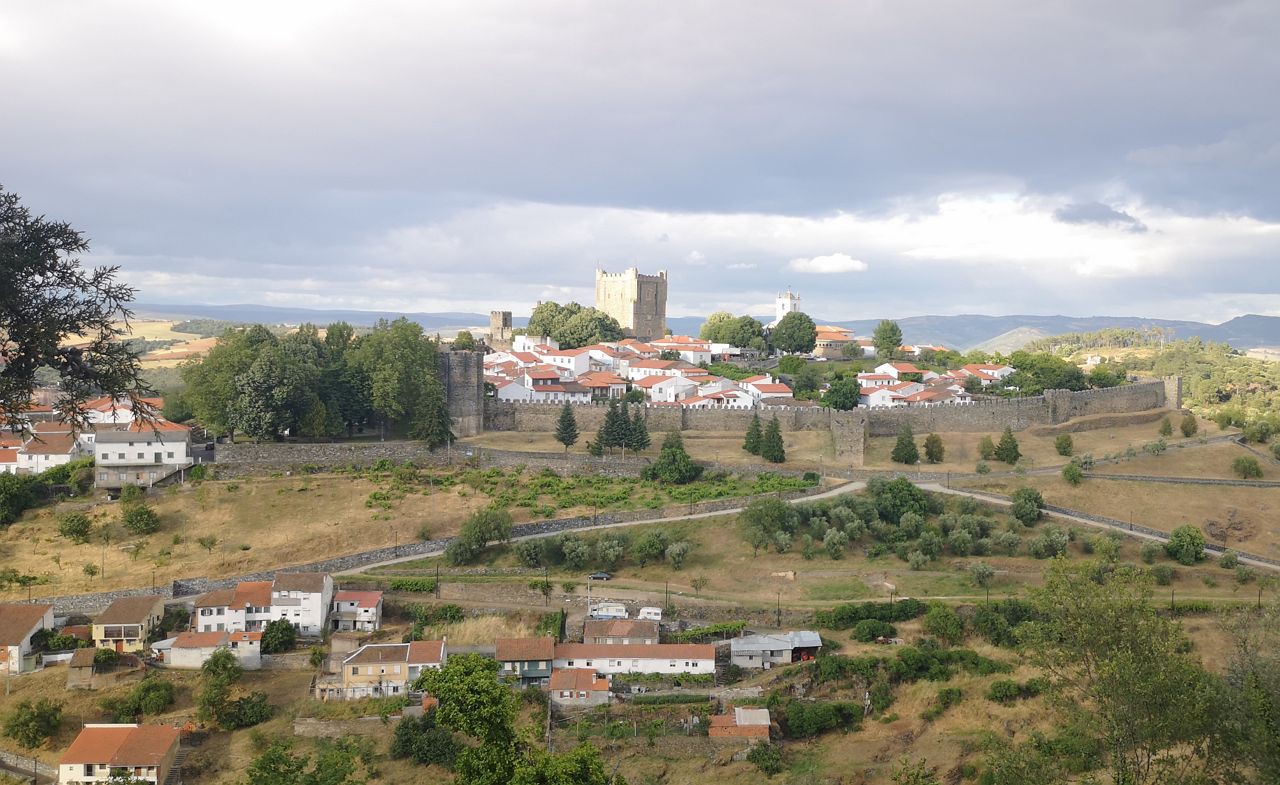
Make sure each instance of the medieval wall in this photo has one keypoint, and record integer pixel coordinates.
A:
(462, 374)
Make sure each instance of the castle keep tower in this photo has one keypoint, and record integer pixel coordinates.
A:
(638, 302)
(499, 330)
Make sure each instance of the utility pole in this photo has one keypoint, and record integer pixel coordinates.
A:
(779, 615)
(437, 581)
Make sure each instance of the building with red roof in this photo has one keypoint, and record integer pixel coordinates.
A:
(144, 752)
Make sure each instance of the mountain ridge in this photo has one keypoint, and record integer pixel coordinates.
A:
(960, 331)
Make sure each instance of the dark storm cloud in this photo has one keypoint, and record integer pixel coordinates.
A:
(417, 155)
(1098, 213)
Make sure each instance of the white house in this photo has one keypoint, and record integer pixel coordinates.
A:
(190, 650)
(356, 610)
(8, 460)
(989, 372)
(508, 389)
(634, 370)
(637, 658)
(896, 370)
(766, 389)
(868, 380)
(18, 622)
(139, 453)
(119, 411)
(666, 389)
(102, 751)
(50, 444)
(604, 384)
(528, 343)
(575, 361)
(304, 598)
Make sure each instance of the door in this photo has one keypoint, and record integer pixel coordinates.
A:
(119, 646)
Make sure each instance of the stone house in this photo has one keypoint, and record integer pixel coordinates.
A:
(18, 622)
(577, 688)
(144, 752)
(128, 622)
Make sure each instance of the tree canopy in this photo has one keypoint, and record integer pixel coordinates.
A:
(887, 338)
(47, 298)
(796, 333)
(572, 325)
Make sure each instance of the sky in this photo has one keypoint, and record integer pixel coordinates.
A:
(881, 158)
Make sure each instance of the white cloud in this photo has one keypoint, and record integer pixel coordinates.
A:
(740, 266)
(831, 263)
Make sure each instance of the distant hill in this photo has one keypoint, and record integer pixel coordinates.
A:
(1011, 341)
(963, 332)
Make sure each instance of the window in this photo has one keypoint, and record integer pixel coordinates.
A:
(396, 670)
(141, 455)
(542, 663)
(220, 610)
(570, 663)
(355, 670)
(169, 454)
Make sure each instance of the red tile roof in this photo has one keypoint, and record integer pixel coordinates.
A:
(121, 745)
(255, 593)
(200, 640)
(364, 599)
(771, 388)
(50, 444)
(577, 680)
(651, 651)
(17, 620)
(524, 649)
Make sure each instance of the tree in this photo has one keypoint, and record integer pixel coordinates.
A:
(140, 519)
(464, 341)
(843, 394)
(90, 570)
(712, 329)
(834, 542)
(1190, 425)
(772, 448)
(1166, 427)
(208, 542)
(637, 432)
(1064, 444)
(651, 547)
(1120, 675)
(795, 333)
(791, 364)
(986, 449)
(32, 723)
(422, 740)
(567, 427)
(1246, 467)
(887, 338)
(699, 583)
(474, 702)
(934, 450)
(613, 431)
(673, 466)
(1072, 473)
(677, 552)
(278, 636)
(47, 299)
(1007, 450)
(904, 450)
(1027, 506)
(944, 624)
(1185, 545)
(75, 526)
(753, 438)
(982, 573)
(580, 766)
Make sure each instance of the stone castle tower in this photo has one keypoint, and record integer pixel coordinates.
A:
(499, 330)
(638, 302)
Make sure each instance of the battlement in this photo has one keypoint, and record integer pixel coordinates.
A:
(637, 301)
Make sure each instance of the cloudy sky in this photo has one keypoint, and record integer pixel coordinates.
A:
(885, 158)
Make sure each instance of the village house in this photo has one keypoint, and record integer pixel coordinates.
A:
(127, 623)
(899, 369)
(575, 361)
(577, 688)
(988, 373)
(527, 659)
(190, 650)
(610, 632)
(666, 389)
(636, 658)
(508, 389)
(546, 384)
(50, 444)
(869, 380)
(103, 751)
(139, 453)
(119, 411)
(603, 384)
(766, 389)
(766, 651)
(9, 457)
(18, 622)
(740, 723)
(830, 341)
(304, 598)
(691, 350)
(356, 611)
(382, 669)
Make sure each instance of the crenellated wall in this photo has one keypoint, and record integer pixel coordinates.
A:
(462, 374)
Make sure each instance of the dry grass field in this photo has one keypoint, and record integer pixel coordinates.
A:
(805, 449)
(283, 521)
(1212, 461)
(1038, 450)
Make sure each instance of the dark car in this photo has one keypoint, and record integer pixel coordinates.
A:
(599, 576)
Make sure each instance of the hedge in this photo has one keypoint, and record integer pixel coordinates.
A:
(843, 617)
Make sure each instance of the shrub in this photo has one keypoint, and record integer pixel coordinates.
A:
(1053, 542)
(141, 519)
(1008, 691)
(413, 584)
(1007, 450)
(278, 636)
(934, 450)
(1163, 573)
(869, 630)
(917, 560)
(1246, 467)
(1149, 552)
(152, 695)
(75, 526)
(1245, 574)
(766, 757)
(904, 450)
(1064, 444)
(1009, 542)
(1028, 506)
(1228, 560)
(130, 494)
(420, 739)
(843, 617)
(945, 699)
(1166, 427)
(982, 467)
(1190, 426)
(944, 624)
(1073, 474)
(106, 657)
(1185, 545)
(987, 449)
(805, 719)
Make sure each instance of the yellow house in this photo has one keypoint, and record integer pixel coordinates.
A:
(127, 623)
(382, 669)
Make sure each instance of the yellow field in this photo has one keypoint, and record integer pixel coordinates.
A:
(1212, 461)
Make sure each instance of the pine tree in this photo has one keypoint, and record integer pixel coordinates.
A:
(613, 432)
(905, 451)
(771, 447)
(1007, 450)
(752, 443)
(567, 427)
(638, 432)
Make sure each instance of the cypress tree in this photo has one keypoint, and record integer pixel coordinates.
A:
(771, 448)
(934, 451)
(613, 432)
(752, 443)
(1007, 450)
(904, 450)
(567, 427)
(638, 433)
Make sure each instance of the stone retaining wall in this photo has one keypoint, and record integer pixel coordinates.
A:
(23, 763)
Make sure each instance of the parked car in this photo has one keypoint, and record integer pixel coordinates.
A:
(599, 576)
